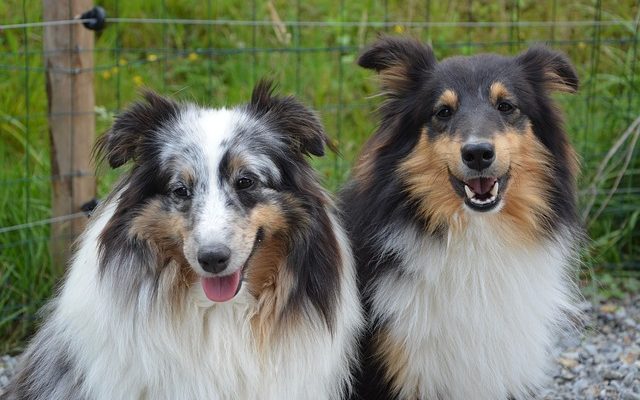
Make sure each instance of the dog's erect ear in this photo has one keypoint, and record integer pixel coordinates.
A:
(549, 69)
(301, 126)
(401, 62)
(120, 144)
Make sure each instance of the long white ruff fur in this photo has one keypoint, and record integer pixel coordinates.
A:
(478, 312)
(199, 350)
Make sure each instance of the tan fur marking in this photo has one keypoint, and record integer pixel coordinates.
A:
(448, 98)
(270, 282)
(425, 173)
(166, 232)
(268, 216)
(497, 92)
(235, 163)
(394, 358)
(394, 79)
(525, 200)
(363, 169)
(554, 82)
(159, 227)
(268, 279)
(573, 159)
(188, 176)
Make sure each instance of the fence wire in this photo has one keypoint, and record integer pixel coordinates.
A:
(213, 51)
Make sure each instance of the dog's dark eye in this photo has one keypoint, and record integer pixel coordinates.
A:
(505, 107)
(444, 113)
(182, 192)
(244, 183)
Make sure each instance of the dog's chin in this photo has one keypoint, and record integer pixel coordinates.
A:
(480, 194)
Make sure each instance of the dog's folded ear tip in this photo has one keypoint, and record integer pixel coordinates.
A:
(318, 152)
(559, 74)
(314, 143)
(116, 162)
(400, 61)
(333, 145)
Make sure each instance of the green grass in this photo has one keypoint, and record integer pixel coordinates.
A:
(217, 65)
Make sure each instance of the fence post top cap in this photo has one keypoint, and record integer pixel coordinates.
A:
(98, 16)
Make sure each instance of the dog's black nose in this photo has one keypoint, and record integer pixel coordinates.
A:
(478, 156)
(214, 258)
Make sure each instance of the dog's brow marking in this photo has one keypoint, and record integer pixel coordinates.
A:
(448, 98)
(498, 91)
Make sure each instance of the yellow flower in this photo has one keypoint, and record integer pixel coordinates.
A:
(582, 45)
(114, 70)
(122, 62)
(152, 57)
(106, 74)
(137, 80)
(398, 29)
(192, 56)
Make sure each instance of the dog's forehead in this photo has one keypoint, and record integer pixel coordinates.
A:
(219, 141)
(473, 76)
(209, 132)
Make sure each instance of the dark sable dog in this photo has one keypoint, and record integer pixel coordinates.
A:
(462, 212)
(216, 269)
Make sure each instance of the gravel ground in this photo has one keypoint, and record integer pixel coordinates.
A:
(7, 366)
(602, 362)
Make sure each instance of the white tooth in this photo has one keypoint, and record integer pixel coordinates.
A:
(494, 189)
(469, 192)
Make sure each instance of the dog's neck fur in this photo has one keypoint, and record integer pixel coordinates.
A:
(479, 316)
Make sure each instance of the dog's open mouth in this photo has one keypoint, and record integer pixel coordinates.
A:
(225, 288)
(482, 193)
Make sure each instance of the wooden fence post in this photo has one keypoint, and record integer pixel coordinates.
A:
(68, 57)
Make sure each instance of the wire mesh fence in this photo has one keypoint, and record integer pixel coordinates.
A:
(214, 51)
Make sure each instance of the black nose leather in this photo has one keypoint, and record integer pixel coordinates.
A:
(214, 258)
(478, 156)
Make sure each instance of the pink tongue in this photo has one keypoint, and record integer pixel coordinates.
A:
(221, 288)
(481, 185)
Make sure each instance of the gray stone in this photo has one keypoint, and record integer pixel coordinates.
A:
(621, 313)
(612, 375)
(570, 341)
(628, 395)
(590, 349)
(629, 378)
(614, 355)
(566, 375)
(579, 386)
(609, 393)
(573, 355)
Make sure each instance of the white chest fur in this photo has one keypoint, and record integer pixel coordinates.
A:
(476, 317)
